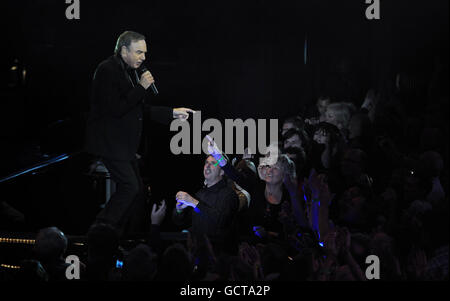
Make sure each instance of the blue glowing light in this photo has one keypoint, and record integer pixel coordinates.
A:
(256, 230)
(305, 51)
(119, 264)
(38, 166)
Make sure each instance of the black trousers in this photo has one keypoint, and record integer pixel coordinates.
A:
(127, 208)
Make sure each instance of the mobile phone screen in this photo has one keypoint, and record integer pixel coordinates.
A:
(119, 264)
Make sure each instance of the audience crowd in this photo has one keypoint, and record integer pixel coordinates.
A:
(348, 179)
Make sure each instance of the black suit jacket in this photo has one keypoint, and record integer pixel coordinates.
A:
(114, 124)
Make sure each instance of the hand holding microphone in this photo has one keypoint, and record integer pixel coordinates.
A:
(147, 80)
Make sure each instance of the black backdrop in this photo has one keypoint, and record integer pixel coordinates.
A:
(240, 59)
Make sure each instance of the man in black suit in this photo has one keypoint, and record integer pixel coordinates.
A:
(114, 125)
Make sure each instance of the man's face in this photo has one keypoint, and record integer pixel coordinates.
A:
(293, 141)
(286, 127)
(210, 171)
(322, 104)
(134, 54)
(330, 117)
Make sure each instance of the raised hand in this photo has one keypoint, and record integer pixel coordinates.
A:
(248, 154)
(370, 101)
(214, 151)
(157, 215)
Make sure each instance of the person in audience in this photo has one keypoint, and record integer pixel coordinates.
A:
(297, 146)
(318, 114)
(103, 253)
(304, 212)
(212, 211)
(140, 264)
(50, 247)
(176, 264)
(277, 186)
(340, 114)
(328, 146)
(294, 122)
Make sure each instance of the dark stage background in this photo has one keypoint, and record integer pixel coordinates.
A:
(242, 59)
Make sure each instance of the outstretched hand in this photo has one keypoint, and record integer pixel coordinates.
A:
(182, 113)
(184, 200)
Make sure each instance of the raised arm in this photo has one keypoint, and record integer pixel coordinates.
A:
(240, 178)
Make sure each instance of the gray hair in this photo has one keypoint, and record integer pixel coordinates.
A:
(126, 38)
(343, 112)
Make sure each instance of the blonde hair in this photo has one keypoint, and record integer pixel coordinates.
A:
(286, 164)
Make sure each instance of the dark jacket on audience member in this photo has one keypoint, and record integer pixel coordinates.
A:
(214, 215)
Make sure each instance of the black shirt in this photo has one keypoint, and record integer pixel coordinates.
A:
(215, 213)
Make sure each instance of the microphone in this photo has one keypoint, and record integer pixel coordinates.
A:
(155, 91)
